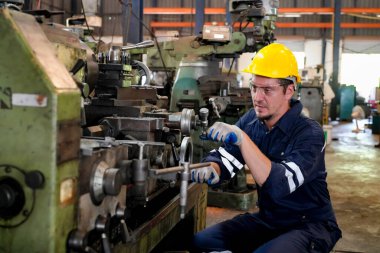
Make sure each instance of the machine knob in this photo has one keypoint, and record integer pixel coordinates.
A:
(7, 196)
(102, 224)
(105, 181)
(120, 211)
(34, 179)
(112, 181)
(77, 240)
(188, 121)
(203, 113)
(106, 244)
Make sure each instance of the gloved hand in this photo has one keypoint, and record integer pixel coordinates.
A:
(205, 175)
(226, 133)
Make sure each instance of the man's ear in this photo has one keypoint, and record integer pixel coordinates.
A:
(289, 91)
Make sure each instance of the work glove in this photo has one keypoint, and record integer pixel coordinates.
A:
(226, 133)
(205, 175)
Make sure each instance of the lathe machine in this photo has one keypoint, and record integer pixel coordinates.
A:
(89, 162)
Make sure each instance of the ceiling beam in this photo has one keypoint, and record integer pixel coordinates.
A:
(222, 11)
(158, 24)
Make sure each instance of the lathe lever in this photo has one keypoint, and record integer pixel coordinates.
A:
(106, 244)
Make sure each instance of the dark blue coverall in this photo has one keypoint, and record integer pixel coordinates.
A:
(295, 212)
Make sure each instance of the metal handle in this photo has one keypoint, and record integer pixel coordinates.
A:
(106, 244)
(179, 168)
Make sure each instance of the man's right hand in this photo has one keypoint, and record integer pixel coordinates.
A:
(230, 134)
(205, 175)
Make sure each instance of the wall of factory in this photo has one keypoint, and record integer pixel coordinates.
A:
(110, 11)
(357, 49)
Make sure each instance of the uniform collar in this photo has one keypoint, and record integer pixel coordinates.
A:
(287, 121)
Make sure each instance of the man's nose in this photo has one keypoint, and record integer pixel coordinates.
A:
(259, 94)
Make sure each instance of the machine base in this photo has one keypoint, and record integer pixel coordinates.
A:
(154, 236)
(234, 200)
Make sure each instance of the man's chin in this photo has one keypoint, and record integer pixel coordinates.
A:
(260, 113)
(263, 117)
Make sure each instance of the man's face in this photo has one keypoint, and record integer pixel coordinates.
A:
(269, 99)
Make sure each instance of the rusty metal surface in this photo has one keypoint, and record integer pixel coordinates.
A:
(136, 124)
(68, 138)
(134, 93)
(95, 112)
(117, 102)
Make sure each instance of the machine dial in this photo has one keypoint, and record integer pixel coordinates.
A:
(104, 181)
(112, 181)
(7, 196)
(12, 198)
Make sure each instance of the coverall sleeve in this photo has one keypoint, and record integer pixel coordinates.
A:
(227, 156)
(302, 164)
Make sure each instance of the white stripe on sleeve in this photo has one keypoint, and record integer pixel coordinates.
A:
(298, 172)
(230, 158)
(228, 166)
(289, 176)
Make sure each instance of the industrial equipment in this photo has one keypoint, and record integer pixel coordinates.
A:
(89, 161)
(196, 59)
(196, 62)
(200, 83)
(347, 101)
(310, 93)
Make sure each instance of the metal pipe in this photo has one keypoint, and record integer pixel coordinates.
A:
(228, 14)
(199, 16)
(335, 71)
(336, 42)
(134, 32)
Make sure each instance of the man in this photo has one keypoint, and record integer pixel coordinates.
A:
(284, 151)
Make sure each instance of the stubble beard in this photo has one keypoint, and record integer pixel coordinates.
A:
(265, 118)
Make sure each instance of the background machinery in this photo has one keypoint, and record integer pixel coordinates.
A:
(310, 92)
(199, 82)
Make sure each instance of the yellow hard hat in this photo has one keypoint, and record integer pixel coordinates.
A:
(275, 61)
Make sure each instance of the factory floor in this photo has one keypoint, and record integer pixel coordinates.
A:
(353, 165)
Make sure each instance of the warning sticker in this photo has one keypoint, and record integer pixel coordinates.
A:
(32, 100)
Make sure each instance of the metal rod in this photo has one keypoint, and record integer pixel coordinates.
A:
(180, 168)
(185, 176)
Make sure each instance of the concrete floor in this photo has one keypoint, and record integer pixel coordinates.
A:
(353, 165)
